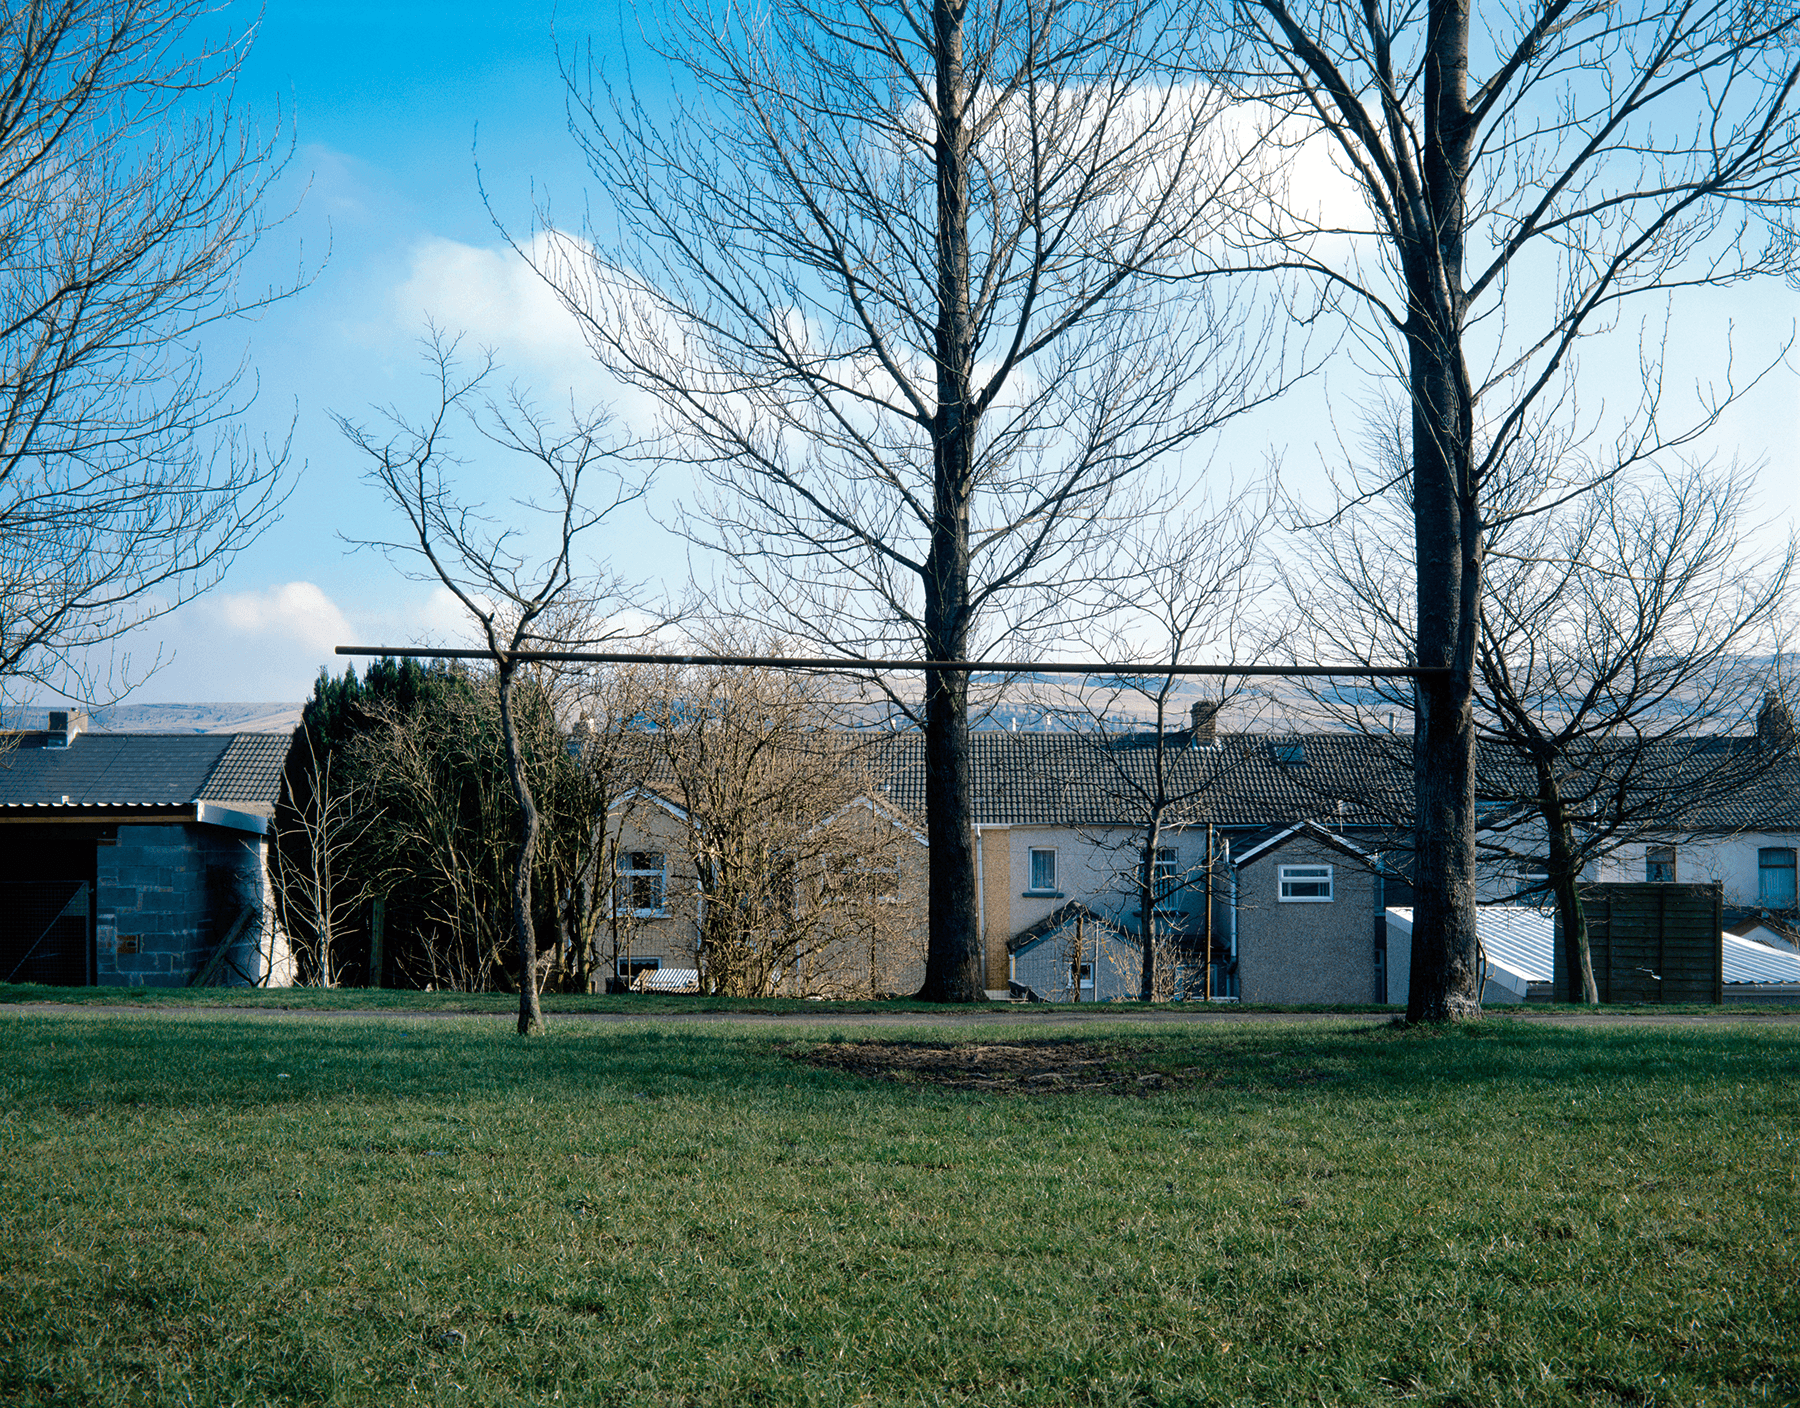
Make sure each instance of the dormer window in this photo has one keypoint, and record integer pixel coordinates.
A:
(1291, 753)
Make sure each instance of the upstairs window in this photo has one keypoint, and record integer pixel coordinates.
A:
(1659, 865)
(859, 877)
(1166, 881)
(643, 884)
(1306, 884)
(1043, 868)
(1775, 877)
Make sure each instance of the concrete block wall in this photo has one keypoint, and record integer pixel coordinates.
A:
(156, 915)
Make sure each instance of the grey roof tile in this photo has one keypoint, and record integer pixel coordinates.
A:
(249, 770)
(1347, 780)
(1060, 779)
(137, 769)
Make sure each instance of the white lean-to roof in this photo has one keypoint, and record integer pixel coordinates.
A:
(1749, 962)
(1520, 946)
(1518, 943)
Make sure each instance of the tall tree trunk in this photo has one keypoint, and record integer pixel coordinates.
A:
(1447, 532)
(953, 956)
(1571, 914)
(531, 1017)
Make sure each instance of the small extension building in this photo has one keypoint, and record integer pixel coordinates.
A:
(138, 859)
(1311, 924)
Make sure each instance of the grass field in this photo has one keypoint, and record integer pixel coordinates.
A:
(213, 1210)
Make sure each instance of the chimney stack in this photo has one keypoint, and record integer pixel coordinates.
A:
(1205, 716)
(65, 724)
(1775, 723)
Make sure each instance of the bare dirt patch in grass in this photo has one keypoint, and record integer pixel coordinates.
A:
(1047, 1067)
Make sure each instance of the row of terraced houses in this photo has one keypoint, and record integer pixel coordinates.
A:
(141, 859)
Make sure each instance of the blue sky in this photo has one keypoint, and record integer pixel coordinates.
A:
(385, 101)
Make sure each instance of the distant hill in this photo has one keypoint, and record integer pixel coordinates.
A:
(262, 717)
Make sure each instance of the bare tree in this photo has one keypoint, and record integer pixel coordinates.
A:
(796, 875)
(1615, 634)
(519, 603)
(612, 757)
(917, 288)
(1188, 585)
(318, 824)
(130, 198)
(1624, 637)
(1594, 153)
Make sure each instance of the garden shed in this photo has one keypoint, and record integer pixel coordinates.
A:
(138, 859)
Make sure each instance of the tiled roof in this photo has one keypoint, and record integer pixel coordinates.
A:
(1720, 783)
(1060, 918)
(1061, 779)
(1344, 780)
(1258, 848)
(249, 770)
(137, 769)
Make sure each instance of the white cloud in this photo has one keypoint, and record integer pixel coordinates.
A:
(292, 612)
(498, 301)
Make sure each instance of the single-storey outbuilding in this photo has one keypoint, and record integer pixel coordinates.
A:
(1076, 955)
(138, 859)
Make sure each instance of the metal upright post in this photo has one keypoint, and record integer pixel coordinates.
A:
(377, 933)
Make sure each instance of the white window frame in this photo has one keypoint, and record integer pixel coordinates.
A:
(1031, 885)
(628, 967)
(858, 878)
(1657, 857)
(625, 885)
(1165, 878)
(1306, 874)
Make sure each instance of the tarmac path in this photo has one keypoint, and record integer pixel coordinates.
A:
(1024, 1016)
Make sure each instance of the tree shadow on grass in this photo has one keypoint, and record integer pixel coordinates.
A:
(71, 1061)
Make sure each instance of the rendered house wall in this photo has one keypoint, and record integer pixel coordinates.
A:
(837, 959)
(1114, 960)
(1731, 861)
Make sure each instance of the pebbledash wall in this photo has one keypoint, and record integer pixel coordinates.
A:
(167, 894)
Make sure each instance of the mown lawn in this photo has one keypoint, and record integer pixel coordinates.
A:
(214, 1210)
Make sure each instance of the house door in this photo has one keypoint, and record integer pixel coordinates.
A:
(44, 933)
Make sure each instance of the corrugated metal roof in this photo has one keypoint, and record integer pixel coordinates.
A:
(1750, 962)
(667, 980)
(1518, 942)
(1523, 940)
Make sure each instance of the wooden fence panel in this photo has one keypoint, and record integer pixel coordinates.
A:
(1652, 942)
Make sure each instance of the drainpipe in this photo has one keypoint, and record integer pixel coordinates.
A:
(981, 907)
(1232, 918)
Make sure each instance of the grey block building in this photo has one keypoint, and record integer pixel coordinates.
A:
(138, 860)
(1311, 924)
